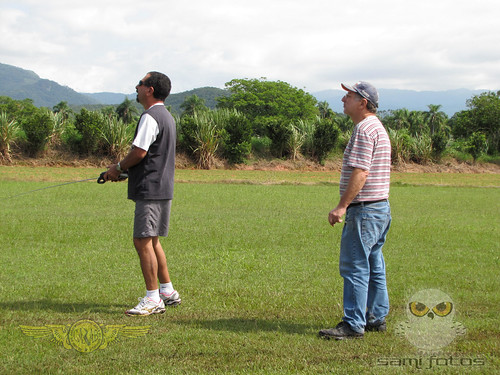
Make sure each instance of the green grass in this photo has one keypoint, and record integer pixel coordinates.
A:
(256, 263)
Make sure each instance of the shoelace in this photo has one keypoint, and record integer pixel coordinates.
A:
(142, 302)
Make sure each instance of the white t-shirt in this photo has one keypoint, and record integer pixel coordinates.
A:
(147, 132)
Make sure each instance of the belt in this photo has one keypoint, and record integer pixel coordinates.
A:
(367, 202)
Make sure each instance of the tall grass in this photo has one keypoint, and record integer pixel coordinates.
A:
(306, 129)
(207, 137)
(58, 126)
(296, 141)
(117, 136)
(9, 132)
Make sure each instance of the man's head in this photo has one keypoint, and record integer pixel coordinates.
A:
(362, 91)
(153, 87)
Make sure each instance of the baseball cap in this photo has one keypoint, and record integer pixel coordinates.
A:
(365, 89)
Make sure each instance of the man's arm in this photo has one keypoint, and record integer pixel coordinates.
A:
(134, 157)
(355, 184)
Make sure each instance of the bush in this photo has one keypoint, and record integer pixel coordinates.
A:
(439, 141)
(279, 132)
(38, 128)
(90, 125)
(186, 136)
(72, 138)
(477, 144)
(237, 138)
(325, 137)
(261, 146)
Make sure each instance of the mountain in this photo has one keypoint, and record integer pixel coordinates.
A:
(109, 98)
(209, 94)
(20, 84)
(451, 101)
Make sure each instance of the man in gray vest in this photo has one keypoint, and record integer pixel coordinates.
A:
(150, 164)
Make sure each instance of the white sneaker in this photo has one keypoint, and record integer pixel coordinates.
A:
(147, 306)
(171, 299)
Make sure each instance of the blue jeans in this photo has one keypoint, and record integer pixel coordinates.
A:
(362, 264)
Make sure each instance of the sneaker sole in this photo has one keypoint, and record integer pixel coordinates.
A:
(172, 303)
(156, 311)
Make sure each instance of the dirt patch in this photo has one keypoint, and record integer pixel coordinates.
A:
(65, 159)
(289, 165)
(448, 166)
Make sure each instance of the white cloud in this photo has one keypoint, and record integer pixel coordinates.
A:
(96, 46)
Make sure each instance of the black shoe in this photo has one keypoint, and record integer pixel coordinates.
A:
(340, 332)
(380, 327)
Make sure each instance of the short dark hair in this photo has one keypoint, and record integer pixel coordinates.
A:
(160, 83)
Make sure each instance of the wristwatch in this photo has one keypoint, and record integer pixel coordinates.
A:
(118, 167)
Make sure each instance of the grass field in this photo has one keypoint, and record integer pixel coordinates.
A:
(256, 264)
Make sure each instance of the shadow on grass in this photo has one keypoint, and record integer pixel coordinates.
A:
(55, 306)
(250, 325)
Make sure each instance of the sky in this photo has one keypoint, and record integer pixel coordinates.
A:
(109, 45)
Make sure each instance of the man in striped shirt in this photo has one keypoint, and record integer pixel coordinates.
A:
(364, 193)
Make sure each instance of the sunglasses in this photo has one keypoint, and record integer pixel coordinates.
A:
(141, 82)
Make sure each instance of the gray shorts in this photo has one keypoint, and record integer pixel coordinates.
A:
(152, 218)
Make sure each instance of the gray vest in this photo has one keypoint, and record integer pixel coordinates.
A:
(153, 177)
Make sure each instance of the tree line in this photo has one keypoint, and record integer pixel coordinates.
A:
(259, 118)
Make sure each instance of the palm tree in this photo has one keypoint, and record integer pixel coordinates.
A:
(126, 111)
(417, 124)
(400, 119)
(435, 118)
(324, 110)
(64, 110)
(193, 104)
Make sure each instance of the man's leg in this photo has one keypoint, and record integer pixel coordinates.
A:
(161, 259)
(355, 270)
(148, 259)
(152, 303)
(167, 292)
(378, 299)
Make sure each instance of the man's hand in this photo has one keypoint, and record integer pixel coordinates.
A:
(134, 157)
(355, 184)
(112, 173)
(335, 215)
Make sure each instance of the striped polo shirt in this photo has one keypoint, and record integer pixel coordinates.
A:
(369, 149)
